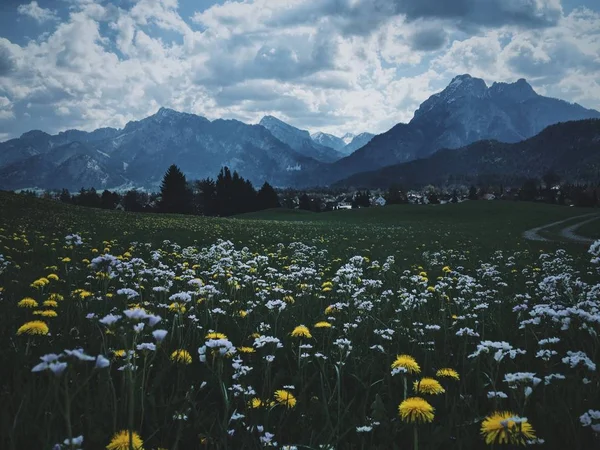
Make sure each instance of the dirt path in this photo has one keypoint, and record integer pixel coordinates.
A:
(567, 232)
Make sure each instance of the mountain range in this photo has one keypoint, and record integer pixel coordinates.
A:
(346, 145)
(569, 149)
(465, 112)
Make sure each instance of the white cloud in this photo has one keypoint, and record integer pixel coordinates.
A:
(37, 13)
(330, 65)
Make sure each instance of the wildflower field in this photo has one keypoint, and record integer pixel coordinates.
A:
(405, 327)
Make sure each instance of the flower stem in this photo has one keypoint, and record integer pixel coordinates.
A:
(416, 438)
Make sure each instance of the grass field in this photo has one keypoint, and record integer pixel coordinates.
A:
(406, 326)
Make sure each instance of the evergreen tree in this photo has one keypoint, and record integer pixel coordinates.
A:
(472, 193)
(267, 197)
(109, 200)
(176, 197)
(205, 197)
(132, 201)
(65, 196)
(529, 190)
(395, 195)
(224, 193)
(304, 202)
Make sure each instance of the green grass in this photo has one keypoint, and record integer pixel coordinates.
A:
(591, 229)
(478, 225)
(453, 267)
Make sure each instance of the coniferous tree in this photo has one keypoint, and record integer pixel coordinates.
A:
(267, 197)
(224, 193)
(304, 202)
(395, 195)
(109, 200)
(472, 193)
(132, 201)
(65, 196)
(205, 196)
(176, 197)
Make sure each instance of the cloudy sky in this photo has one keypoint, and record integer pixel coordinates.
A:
(331, 65)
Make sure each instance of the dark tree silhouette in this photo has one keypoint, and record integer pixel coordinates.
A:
(267, 197)
(395, 195)
(205, 194)
(472, 193)
(109, 200)
(304, 202)
(529, 190)
(175, 195)
(133, 201)
(361, 199)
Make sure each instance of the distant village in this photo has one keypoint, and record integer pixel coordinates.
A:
(328, 200)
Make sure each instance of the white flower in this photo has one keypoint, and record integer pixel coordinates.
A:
(159, 335)
(109, 319)
(101, 362)
(146, 346)
(136, 313)
(79, 354)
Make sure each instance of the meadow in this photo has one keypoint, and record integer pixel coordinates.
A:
(423, 327)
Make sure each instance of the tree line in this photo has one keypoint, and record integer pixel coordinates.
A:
(226, 195)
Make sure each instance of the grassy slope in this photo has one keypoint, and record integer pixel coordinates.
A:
(400, 230)
(591, 229)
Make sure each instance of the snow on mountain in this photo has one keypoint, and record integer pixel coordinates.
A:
(328, 140)
(347, 138)
(299, 140)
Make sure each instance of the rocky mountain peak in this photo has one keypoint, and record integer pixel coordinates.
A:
(519, 91)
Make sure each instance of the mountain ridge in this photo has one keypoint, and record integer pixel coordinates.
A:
(464, 112)
(571, 149)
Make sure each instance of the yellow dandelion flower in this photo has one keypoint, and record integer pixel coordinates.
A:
(27, 302)
(255, 335)
(423, 274)
(181, 356)
(66, 259)
(256, 403)
(34, 327)
(301, 331)
(285, 398)
(447, 373)
(40, 282)
(53, 277)
(331, 309)
(289, 299)
(323, 324)
(50, 304)
(430, 289)
(56, 297)
(177, 307)
(246, 349)
(120, 441)
(215, 335)
(428, 386)
(446, 269)
(119, 353)
(49, 313)
(503, 427)
(242, 313)
(406, 362)
(416, 409)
